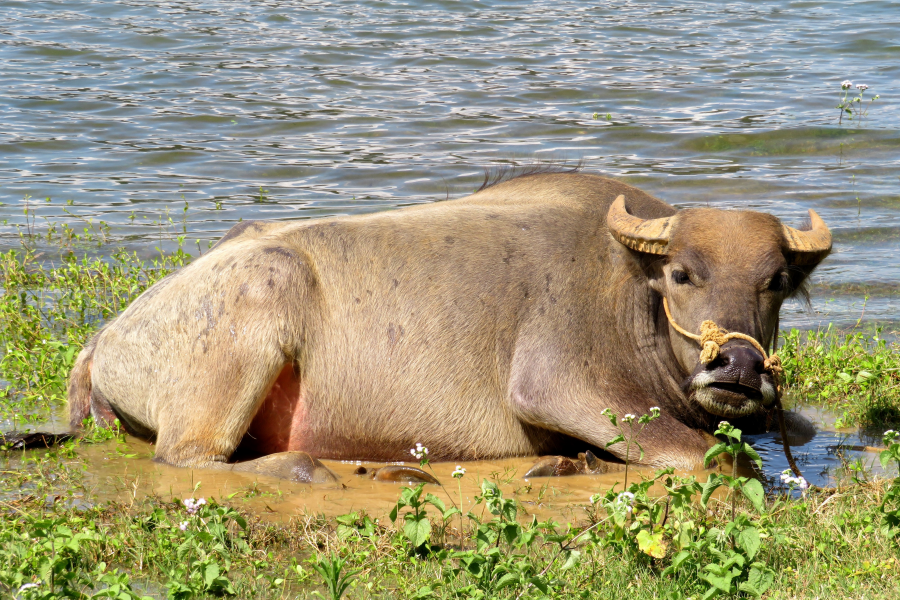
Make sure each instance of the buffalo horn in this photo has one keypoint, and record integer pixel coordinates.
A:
(808, 247)
(644, 235)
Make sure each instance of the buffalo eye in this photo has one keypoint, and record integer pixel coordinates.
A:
(780, 282)
(680, 277)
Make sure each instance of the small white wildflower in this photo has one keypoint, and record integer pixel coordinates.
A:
(654, 409)
(625, 499)
(628, 418)
(419, 452)
(786, 476)
(802, 484)
(192, 505)
(605, 412)
(846, 84)
(889, 436)
(28, 586)
(862, 87)
(183, 525)
(459, 472)
(595, 498)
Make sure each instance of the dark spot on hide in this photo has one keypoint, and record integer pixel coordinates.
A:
(394, 333)
(280, 251)
(357, 300)
(394, 284)
(243, 289)
(449, 239)
(239, 229)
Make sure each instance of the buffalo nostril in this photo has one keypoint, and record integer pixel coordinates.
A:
(743, 358)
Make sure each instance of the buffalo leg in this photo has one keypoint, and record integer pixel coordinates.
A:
(194, 361)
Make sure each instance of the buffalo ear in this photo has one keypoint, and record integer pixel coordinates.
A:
(807, 248)
(644, 235)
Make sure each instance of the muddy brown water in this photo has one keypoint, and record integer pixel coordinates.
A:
(125, 472)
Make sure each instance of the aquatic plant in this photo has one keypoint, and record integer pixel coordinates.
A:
(851, 105)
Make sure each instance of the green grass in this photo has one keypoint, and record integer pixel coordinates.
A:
(853, 374)
(55, 533)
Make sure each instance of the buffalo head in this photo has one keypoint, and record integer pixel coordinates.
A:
(732, 267)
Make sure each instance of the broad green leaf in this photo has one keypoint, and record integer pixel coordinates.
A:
(676, 562)
(884, 458)
(749, 451)
(539, 583)
(719, 576)
(760, 578)
(507, 580)
(753, 490)
(749, 541)
(711, 485)
(713, 452)
(417, 531)
(572, 558)
(210, 574)
(436, 502)
(651, 544)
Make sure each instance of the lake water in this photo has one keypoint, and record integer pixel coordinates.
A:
(121, 110)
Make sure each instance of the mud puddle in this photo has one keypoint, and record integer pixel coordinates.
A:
(124, 471)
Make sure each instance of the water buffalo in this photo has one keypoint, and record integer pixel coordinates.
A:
(499, 324)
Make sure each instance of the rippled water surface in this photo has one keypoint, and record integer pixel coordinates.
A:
(119, 111)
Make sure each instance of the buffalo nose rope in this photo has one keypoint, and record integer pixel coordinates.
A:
(712, 338)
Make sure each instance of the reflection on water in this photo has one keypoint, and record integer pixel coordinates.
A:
(298, 110)
(831, 455)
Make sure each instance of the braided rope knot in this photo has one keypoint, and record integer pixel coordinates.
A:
(712, 338)
(773, 365)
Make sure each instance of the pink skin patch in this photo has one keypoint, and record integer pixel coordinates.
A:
(280, 422)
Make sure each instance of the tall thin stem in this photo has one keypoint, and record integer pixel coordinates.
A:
(628, 454)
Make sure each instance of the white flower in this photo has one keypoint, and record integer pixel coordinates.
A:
(183, 526)
(862, 87)
(419, 452)
(605, 412)
(889, 436)
(192, 505)
(625, 499)
(802, 484)
(459, 472)
(595, 498)
(27, 586)
(846, 84)
(654, 409)
(628, 418)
